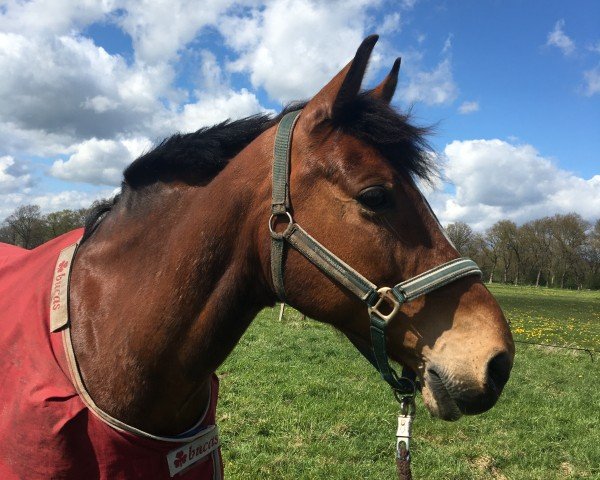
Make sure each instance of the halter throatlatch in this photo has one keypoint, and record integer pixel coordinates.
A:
(383, 303)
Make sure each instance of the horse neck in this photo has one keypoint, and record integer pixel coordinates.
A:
(161, 293)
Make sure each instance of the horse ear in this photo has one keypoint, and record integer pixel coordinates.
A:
(385, 90)
(342, 88)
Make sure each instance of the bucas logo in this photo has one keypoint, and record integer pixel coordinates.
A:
(58, 285)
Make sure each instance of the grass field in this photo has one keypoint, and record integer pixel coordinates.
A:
(298, 402)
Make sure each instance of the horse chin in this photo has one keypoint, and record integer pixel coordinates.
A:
(437, 399)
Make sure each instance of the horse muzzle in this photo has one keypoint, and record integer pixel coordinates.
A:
(449, 394)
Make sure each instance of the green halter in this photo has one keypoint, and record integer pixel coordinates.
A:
(342, 273)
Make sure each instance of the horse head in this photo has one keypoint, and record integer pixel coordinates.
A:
(354, 163)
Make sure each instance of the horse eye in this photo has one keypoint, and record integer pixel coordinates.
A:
(374, 198)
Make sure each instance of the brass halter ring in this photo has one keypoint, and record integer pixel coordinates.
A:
(385, 297)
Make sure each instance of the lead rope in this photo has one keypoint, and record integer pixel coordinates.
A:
(403, 436)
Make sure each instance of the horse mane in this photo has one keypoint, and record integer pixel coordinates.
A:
(196, 158)
(96, 213)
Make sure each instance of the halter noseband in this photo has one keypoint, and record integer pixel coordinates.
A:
(342, 273)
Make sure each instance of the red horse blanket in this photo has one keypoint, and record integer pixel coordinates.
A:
(49, 427)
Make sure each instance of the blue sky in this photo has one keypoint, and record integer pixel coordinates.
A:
(513, 87)
(525, 87)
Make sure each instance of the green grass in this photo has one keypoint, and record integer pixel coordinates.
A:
(565, 317)
(298, 402)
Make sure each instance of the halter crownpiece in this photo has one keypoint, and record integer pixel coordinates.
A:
(336, 269)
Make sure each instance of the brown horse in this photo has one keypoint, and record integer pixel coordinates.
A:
(166, 282)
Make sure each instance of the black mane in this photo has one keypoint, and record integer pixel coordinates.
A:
(95, 213)
(195, 158)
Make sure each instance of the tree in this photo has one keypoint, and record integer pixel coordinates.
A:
(494, 244)
(502, 238)
(27, 226)
(7, 234)
(63, 221)
(591, 255)
(536, 238)
(461, 236)
(569, 237)
(516, 244)
(481, 255)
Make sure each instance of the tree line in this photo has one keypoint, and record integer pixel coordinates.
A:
(561, 251)
(28, 228)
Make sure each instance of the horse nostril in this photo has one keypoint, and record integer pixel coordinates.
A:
(498, 371)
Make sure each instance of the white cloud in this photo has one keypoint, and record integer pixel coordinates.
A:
(62, 95)
(468, 107)
(216, 100)
(13, 177)
(51, 202)
(160, 29)
(51, 17)
(496, 180)
(391, 23)
(592, 81)
(447, 44)
(72, 199)
(99, 162)
(69, 87)
(100, 104)
(212, 77)
(559, 39)
(65, 95)
(292, 48)
(215, 109)
(595, 47)
(58, 88)
(16, 140)
(408, 4)
(436, 87)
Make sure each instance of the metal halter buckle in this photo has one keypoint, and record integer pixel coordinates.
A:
(385, 296)
(289, 226)
(404, 431)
